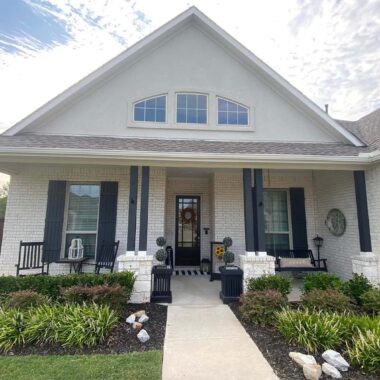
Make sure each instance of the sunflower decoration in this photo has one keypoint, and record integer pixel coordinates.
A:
(219, 252)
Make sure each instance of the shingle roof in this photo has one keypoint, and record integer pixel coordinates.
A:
(179, 146)
(366, 129)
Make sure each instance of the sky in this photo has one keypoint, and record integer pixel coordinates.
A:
(328, 49)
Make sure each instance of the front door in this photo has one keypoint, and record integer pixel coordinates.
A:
(187, 234)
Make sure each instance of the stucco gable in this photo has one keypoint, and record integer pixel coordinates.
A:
(190, 53)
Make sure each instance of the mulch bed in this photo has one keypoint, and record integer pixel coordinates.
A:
(276, 350)
(121, 340)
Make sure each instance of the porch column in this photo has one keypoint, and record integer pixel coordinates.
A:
(366, 263)
(144, 206)
(362, 210)
(248, 213)
(258, 214)
(132, 210)
(254, 264)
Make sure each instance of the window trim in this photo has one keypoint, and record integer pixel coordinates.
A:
(148, 98)
(290, 229)
(248, 125)
(192, 93)
(66, 215)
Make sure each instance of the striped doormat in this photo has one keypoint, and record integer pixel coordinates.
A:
(190, 272)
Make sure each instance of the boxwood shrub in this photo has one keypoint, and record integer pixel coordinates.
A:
(271, 282)
(322, 281)
(371, 301)
(51, 285)
(356, 287)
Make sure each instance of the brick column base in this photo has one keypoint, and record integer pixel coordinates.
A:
(367, 264)
(141, 266)
(256, 266)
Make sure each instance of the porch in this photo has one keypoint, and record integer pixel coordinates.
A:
(262, 210)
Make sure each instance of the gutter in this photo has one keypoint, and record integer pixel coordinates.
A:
(25, 155)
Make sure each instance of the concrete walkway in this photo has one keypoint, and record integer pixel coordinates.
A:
(204, 340)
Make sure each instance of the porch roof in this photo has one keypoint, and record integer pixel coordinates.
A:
(29, 142)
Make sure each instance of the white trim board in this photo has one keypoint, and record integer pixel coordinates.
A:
(190, 15)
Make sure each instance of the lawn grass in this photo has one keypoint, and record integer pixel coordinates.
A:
(139, 365)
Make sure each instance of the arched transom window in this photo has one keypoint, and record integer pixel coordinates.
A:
(231, 113)
(151, 109)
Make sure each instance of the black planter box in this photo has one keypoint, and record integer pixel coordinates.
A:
(232, 283)
(161, 292)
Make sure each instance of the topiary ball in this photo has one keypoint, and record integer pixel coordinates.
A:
(161, 241)
(229, 257)
(227, 242)
(161, 255)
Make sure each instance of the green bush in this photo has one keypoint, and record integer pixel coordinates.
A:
(23, 299)
(365, 351)
(314, 331)
(327, 300)
(114, 296)
(273, 282)
(68, 325)
(260, 307)
(85, 325)
(356, 287)
(12, 328)
(371, 301)
(322, 281)
(51, 285)
(317, 331)
(43, 324)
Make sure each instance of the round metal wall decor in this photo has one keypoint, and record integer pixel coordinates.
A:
(336, 222)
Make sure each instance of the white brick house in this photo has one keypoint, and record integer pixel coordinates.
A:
(193, 120)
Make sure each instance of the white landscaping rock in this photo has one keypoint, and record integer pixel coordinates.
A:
(131, 319)
(302, 359)
(335, 359)
(330, 370)
(312, 371)
(143, 336)
(139, 313)
(144, 318)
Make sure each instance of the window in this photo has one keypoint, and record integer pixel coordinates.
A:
(191, 109)
(82, 216)
(153, 109)
(231, 113)
(277, 234)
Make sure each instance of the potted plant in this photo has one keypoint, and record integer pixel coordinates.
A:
(161, 275)
(231, 275)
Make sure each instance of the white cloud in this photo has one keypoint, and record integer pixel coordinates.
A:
(327, 49)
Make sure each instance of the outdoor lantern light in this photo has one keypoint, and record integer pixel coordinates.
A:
(76, 249)
(318, 241)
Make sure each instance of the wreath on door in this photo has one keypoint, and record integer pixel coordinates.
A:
(188, 215)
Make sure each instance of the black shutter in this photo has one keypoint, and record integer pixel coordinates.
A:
(107, 213)
(297, 207)
(54, 221)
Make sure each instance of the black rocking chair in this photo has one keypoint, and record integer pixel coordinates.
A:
(30, 258)
(107, 256)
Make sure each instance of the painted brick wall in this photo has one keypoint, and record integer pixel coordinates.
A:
(25, 219)
(335, 189)
(188, 186)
